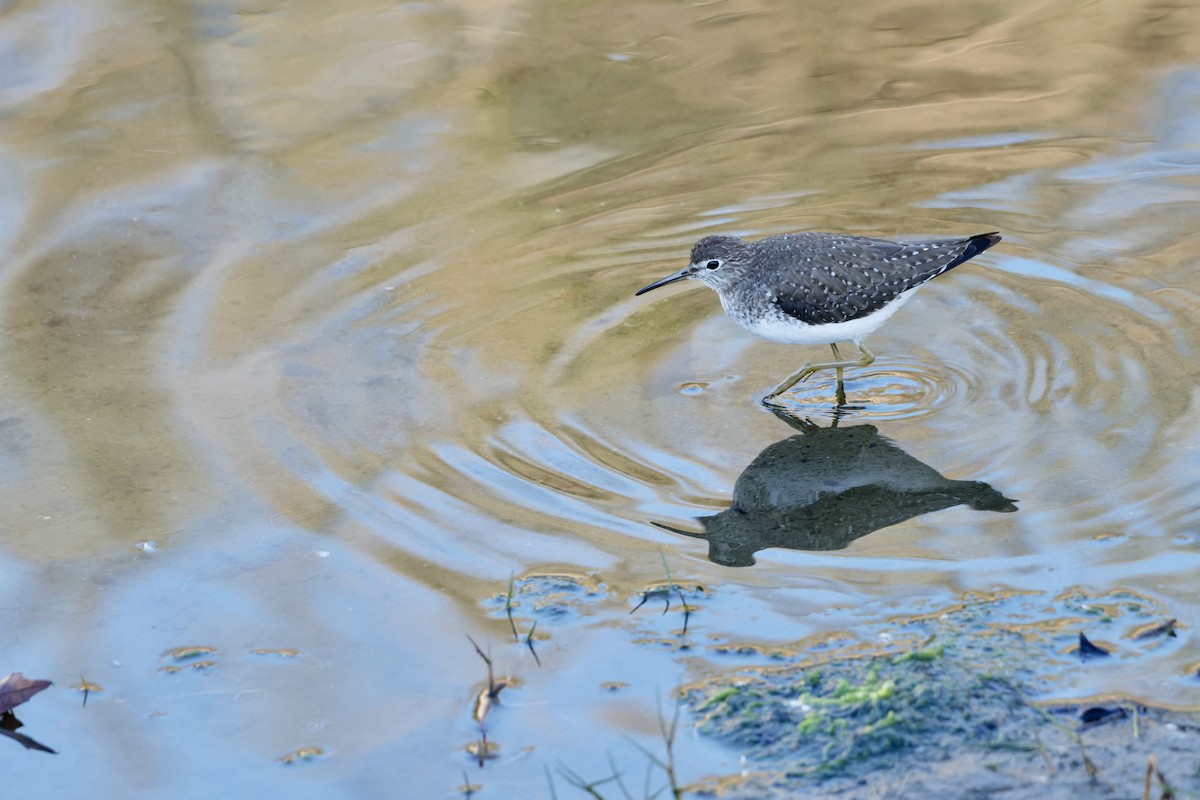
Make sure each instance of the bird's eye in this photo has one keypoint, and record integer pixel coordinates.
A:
(713, 264)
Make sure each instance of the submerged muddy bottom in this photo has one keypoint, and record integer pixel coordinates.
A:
(946, 705)
(1139, 748)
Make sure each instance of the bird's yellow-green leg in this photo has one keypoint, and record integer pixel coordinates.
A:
(839, 396)
(866, 358)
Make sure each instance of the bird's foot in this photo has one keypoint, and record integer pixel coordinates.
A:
(798, 376)
(773, 398)
(772, 401)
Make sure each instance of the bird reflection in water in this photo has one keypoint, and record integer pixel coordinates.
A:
(825, 487)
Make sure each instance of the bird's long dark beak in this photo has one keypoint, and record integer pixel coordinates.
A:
(674, 276)
(673, 529)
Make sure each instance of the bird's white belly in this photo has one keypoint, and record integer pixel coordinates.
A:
(788, 330)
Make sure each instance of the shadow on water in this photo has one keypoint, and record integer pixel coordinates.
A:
(823, 488)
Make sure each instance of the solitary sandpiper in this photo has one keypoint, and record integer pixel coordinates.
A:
(820, 288)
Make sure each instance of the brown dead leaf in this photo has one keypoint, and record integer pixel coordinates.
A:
(17, 689)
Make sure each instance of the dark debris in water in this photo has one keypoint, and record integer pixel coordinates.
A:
(304, 755)
(1088, 650)
(1098, 714)
(1153, 631)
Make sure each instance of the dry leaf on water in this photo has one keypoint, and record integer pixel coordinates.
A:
(17, 689)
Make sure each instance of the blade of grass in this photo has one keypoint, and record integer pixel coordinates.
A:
(508, 607)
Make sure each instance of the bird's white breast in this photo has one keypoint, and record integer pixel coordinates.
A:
(778, 327)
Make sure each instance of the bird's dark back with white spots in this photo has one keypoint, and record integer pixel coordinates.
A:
(825, 278)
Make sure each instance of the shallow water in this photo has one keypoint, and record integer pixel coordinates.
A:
(320, 325)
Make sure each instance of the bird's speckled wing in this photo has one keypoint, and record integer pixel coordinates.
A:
(824, 278)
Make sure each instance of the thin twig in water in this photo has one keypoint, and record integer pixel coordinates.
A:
(646, 781)
(483, 704)
(668, 734)
(646, 595)
(1045, 754)
(491, 677)
(585, 786)
(1152, 768)
(667, 570)
(508, 608)
(687, 612)
(666, 595)
(529, 643)
(1088, 765)
(617, 776)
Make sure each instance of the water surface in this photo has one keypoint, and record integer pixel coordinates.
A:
(319, 326)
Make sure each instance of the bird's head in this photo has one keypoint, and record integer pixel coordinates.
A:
(716, 261)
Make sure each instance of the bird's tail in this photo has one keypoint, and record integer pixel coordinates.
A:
(975, 245)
